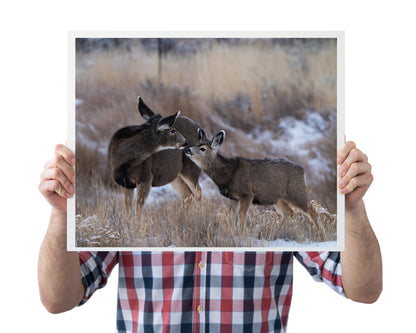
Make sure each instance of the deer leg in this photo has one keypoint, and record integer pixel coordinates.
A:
(182, 189)
(234, 210)
(128, 198)
(190, 175)
(143, 190)
(193, 186)
(313, 217)
(285, 210)
(245, 203)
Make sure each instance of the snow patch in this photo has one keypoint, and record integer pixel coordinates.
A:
(78, 102)
(293, 137)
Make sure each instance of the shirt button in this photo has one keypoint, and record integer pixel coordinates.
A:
(199, 309)
(201, 265)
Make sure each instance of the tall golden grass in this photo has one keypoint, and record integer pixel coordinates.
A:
(252, 84)
(277, 80)
(206, 223)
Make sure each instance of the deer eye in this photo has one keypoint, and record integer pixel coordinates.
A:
(173, 131)
(202, 149)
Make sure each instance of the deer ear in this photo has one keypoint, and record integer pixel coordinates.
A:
(144, 110)
(218, 140)
(168, 122)
(202, 135)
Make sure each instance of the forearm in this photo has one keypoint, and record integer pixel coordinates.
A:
(59, 273)
(361, 261)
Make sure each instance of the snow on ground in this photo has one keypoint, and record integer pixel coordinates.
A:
(294, 134)
(78, 102)
(284, 245)
(166, 192)
(295, 137)
(293, 244)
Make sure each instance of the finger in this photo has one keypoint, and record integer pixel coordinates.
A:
(354, 155)
(345, 151)
(57, 174)
(361, 182)
(66, 153)
(50, 187)
(61, 163)
(356, 169)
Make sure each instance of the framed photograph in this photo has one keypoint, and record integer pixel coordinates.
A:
(206, 141)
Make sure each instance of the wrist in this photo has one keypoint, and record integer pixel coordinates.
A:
(357, 225)
(357, 209)
(58, 214)
(57, 229)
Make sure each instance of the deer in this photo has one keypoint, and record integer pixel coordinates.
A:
(139, 157)
(244, 181)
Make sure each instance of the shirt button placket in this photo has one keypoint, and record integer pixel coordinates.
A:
(202, 290)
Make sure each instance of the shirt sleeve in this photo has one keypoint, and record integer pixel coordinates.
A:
(323, 267)
(96, 267)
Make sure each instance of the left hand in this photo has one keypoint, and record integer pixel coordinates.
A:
(354, 174)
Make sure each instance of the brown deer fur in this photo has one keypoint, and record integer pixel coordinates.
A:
(130, 146)
(143, 165)
(253, 181)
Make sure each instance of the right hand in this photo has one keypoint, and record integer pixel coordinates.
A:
(58, 179)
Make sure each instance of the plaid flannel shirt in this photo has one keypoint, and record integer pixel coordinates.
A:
(204, 291)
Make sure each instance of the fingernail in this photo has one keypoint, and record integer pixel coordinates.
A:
(73, 161)
(71, 189)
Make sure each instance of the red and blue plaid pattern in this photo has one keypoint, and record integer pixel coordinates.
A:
(205, 291)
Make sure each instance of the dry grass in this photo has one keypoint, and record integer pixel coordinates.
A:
(233, 87)
(273, 80)
(199, 224)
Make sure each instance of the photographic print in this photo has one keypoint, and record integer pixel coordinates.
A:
(206, 142)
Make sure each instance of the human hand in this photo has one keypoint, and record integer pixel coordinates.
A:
(58, 178)
(354, 174)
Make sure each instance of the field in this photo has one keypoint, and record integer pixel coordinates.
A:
(273, 98)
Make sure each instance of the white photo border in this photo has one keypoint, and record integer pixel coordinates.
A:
(339, 35)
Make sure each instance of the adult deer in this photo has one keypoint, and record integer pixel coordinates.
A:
(151, 164)
(253, 181)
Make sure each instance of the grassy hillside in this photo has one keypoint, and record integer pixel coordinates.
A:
(261, 92)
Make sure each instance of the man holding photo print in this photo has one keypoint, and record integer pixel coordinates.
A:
(192, 291)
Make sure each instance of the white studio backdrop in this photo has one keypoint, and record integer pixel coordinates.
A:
(379, 108)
